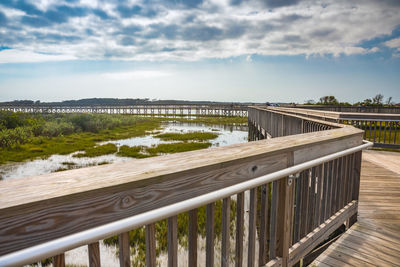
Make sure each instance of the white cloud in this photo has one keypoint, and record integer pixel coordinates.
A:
(17, 56)
(394, 43)
(215, 29)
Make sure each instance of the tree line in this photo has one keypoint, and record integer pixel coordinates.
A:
(377, 100)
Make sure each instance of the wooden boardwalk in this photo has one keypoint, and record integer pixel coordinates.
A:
(375, 239)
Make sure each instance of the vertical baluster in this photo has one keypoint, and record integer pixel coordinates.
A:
(311, 201)
(226, 210)
(317, 213)
(284, 218)
(298, 214)
(173, 241)
(380, 130)
(345, 182)
(390, 130)
(210, 211)
(124, 250)
(150, 245)
(374, 131)
(192, 259)
(395, 132)
(94, 255)
(304, 203)
(262, 257)
(384, 133)
(325, 168)
(252, 227)
(334, 186)
(356, 182)
(239, 230)
(59, 260)
(370, 129)
(273, 215)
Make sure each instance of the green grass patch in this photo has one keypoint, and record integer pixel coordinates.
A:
(132, 152)
(44, 147)
(98, 151)
(177, 147)
(198, 136)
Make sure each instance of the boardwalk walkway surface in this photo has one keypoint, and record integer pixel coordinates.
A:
(375, 239)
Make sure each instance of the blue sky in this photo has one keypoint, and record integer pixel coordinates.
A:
(224, 50)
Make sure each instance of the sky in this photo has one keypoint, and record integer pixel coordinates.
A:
(220, 50)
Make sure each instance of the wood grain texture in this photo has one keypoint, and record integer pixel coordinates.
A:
(59, 260)
(94, 254)
(373, 240)
(239, 230)
(150, 245)
(263, 243)
(210, 212)
(225, 242)
(251, 257)
(173, 241)
(192, 257)
(124, 250)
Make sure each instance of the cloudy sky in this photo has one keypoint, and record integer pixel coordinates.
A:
(226, 50)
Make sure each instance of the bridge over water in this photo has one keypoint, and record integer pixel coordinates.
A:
(299, 177)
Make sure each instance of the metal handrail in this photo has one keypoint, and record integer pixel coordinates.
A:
(60, 245)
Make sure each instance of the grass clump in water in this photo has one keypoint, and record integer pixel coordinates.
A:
(132, 152)
(97, 151)
(177, 147)
(198, 136)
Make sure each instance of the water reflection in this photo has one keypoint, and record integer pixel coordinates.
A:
(227, 135)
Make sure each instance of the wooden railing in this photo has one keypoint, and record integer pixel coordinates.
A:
(381, 129)
(173, 110)
(306, 186)
(357, 109)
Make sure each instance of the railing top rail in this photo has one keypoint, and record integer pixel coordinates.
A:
(339, 115)
(300, 116)
(15, 192)
(60, 245)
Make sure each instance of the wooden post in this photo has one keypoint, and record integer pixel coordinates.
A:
(226, 209)
(59, 260)
(284, 218)
(210, 211)
(124, 250)
(150, 245)
(94, 255)
(239, 230)
(173, 241)
(192, 238)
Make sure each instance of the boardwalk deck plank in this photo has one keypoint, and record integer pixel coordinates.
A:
(375, 239)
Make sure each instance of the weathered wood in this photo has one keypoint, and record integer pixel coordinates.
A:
(173, 241)
(210, 211)
(312, 239)
(263, 245)
(124, 250)
(59, 260)
(297, 213)
(94, 254)
(239, 230)
(192, 258)
(150, 245)
(225, 245)
(273, 221)
(284, 220)
(252, 228)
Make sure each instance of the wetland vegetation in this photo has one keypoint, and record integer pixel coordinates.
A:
(27, 136)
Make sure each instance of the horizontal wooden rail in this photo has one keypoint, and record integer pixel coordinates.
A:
(45, 208)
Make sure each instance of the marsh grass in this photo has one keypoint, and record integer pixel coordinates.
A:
(97, 151)
(177, 147)
(138, 240)
(43, 147)
(132, 152)
(198, 136)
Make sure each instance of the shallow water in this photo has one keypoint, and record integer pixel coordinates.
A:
(228, 135)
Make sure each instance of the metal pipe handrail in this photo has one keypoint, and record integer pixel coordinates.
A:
(60, 245)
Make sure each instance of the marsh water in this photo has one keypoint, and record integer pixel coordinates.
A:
(227, 135)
